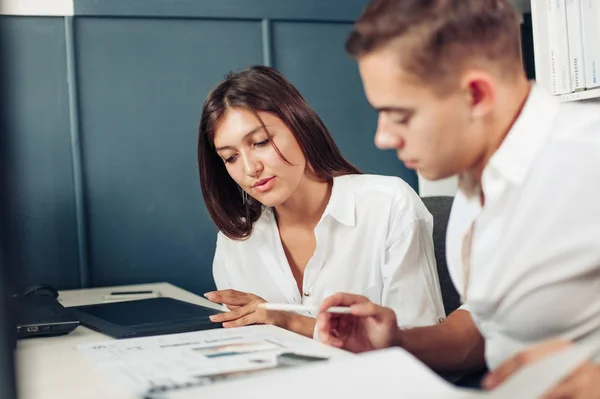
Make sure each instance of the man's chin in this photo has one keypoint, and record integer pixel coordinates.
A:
(432, 175)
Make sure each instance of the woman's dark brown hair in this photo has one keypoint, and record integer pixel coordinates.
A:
(259, 89)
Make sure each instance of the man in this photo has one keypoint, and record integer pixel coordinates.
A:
(523, 238)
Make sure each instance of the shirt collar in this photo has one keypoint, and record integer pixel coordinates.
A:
(340, 206)
(524, 140)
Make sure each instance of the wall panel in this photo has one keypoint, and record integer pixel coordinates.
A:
(142, 83)
(40, 165)
(311, 55)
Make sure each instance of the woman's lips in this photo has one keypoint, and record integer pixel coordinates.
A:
(264, 185)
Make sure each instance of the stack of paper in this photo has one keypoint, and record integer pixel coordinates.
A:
(163, 363)
(391, 373)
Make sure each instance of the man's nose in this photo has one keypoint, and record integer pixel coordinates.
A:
(384, 140)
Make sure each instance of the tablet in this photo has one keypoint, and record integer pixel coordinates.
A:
(146, 317)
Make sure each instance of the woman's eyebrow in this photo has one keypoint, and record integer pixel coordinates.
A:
(250, 133)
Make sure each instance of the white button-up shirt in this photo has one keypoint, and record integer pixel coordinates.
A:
(535, 249)
(374, 239)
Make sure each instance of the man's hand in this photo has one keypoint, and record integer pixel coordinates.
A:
(244, 310)
(369, 327)
(583, 383)
(511, 366)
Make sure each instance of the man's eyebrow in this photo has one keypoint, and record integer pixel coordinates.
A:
(250, 133)
(394, 109)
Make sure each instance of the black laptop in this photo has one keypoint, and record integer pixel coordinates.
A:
(42, 316)
(146, 317)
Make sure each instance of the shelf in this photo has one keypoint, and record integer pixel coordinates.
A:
(581, 95)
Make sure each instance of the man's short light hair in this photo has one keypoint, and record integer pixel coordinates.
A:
(438, 38)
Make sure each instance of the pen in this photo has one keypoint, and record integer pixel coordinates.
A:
(288, 307)
(142, 292)
(131, 295)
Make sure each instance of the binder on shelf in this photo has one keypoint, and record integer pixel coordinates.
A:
(560, 70)
(590, 24)
(527, 47)
(575, 37)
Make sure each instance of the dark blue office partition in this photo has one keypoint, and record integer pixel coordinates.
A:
(38, 149)
(104, 108)
(8, 385)
(311, 55)
(139, 115)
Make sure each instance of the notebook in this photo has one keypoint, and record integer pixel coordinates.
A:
(146, 317)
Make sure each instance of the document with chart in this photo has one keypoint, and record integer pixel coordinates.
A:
(385, 374)
(168, 362)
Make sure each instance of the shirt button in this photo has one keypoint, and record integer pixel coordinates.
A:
(441, 319)
(306, 294)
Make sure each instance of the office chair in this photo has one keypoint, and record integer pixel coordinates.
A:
(440, 207)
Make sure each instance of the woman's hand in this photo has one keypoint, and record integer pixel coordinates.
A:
(245, 310)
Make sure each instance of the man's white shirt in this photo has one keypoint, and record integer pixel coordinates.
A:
(535, 251)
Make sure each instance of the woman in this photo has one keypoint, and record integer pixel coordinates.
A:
(297, 221)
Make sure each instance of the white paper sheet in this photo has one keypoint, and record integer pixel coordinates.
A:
(391, 373)
(162, 362)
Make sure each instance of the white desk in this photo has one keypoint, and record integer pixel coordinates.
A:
(52, 368)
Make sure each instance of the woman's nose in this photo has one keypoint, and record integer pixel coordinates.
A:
(252, 166)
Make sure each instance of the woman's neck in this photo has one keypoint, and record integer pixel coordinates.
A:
(307, 204)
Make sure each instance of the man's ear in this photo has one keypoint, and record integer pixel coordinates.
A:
(481, 93)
